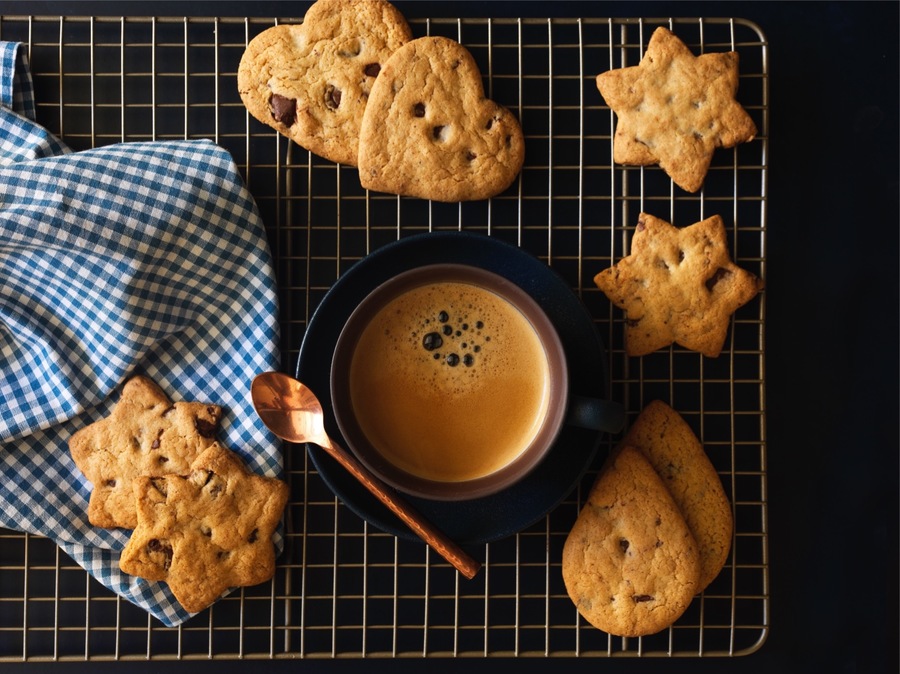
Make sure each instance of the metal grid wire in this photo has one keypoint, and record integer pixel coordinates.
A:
(343, 588)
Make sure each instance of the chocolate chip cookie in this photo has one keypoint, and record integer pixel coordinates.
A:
(311, 81)
(678, 285)
(430, 132)
(674, 109)
(207, 530)
(675, 452)
(145, 434)
(630, 563)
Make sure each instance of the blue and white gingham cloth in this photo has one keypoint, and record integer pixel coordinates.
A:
(137, 257)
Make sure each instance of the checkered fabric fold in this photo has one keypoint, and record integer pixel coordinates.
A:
(136, 257)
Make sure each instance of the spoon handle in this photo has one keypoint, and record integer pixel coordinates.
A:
(449, 550)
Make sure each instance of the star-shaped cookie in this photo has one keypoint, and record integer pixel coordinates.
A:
(674, 109)
(678, 285)
(145, 434)
(206, 531)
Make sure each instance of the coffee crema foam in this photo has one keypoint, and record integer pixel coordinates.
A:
(449, 382)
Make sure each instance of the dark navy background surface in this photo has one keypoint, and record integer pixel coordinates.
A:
(831, 334)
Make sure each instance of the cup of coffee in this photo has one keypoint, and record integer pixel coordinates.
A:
(449, 382)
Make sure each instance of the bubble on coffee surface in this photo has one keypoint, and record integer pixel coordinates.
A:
(464, 336)
(432, 341)
(452, 338)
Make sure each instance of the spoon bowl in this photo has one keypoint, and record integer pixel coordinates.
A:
(292, 411)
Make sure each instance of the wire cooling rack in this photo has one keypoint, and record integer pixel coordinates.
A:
(342, 588)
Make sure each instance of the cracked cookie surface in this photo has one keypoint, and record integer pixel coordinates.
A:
(678, 457)
(430, 132)
(311, 81)
(145, 434)
(674, 109)
(205, 531)
(678, 285)
(630, 563)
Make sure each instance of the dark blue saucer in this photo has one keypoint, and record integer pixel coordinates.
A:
(500, 515)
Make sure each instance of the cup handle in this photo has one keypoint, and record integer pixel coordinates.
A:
(596, 414)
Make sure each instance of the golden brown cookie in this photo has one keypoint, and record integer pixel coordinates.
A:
(678, 285)
(630, 563)
(145, 434)
(430, 132)
(676, 454)
(206, 531)
(674, 109)
(311, 81)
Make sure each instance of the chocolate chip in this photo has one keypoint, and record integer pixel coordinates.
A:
(721, 273)
(160, 485)
(419, 109)
(155, 444)
(156, 547)
(489, 124)
(623, 544)
(206, 428)
(109, 483)
(639, 598)
(199, 477)
(254, 536)
(470, 156)
(372, 70)
(437, 132)
(284, 109)
(332, 97)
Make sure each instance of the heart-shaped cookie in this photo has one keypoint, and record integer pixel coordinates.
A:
(311, 81)
(430, 132)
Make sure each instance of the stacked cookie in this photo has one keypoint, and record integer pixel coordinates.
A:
(656, 529)
(201, 521)
(352, 85)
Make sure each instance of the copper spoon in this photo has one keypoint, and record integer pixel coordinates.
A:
(292, 412)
